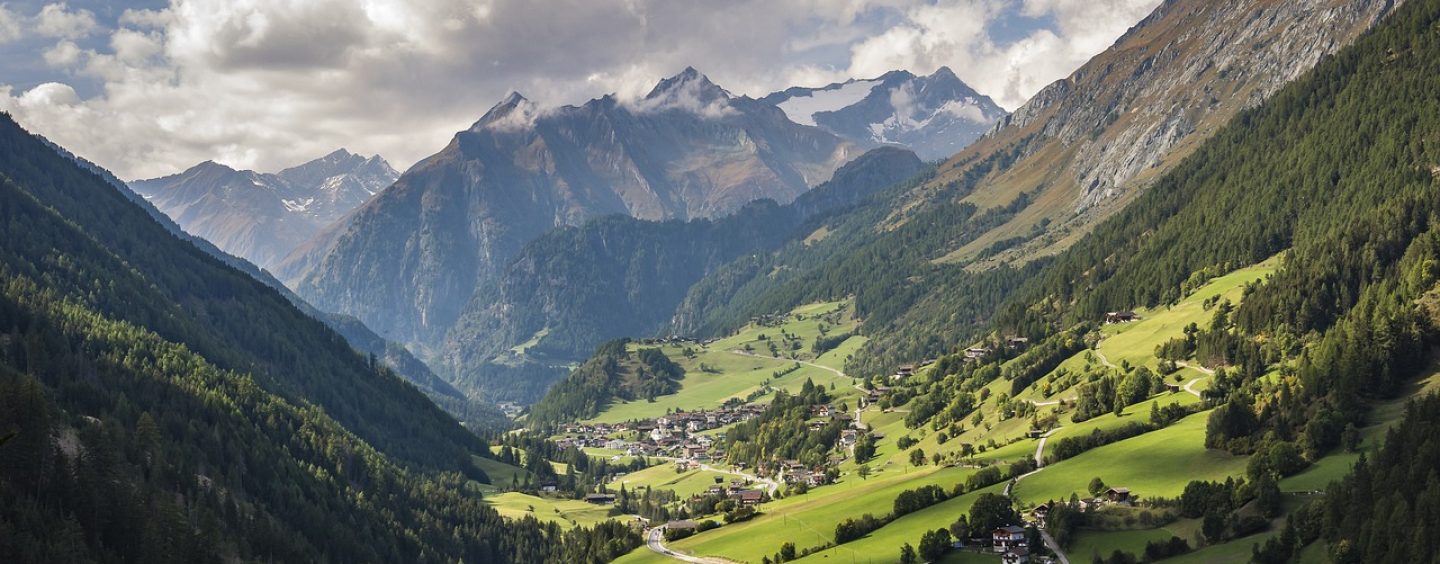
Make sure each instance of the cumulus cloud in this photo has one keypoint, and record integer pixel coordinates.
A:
(10, 29)
(58, 20)
(261, 83)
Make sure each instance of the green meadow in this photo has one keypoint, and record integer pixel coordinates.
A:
(725, 369)
(1155, 464)
(566, 512)
(809, 520)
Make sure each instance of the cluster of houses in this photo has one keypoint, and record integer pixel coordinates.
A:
(739, 491)
(675, 435)
(674, 340)
(1010, 542)
(510, 409)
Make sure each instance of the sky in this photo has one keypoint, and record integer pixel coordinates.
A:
(148, 88)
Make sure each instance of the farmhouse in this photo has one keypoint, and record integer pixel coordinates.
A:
(1017, 555)
(1007, 537)
(599, 499)
(749, 497)
(680, 525)
(1040, 513)
(1172, 388)
(1121, 317)
(1118, 495)
(976, 353)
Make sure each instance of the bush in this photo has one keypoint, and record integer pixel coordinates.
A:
(1160, 550)
(933, 544)
(851, 529)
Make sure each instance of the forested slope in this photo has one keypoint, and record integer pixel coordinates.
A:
(167, 408)
(1342, 171)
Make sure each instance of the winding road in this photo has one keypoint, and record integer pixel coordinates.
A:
(655, 539)
(1189, 385)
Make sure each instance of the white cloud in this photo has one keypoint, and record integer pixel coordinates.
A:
(256, 83)
(64, 54)
(57, 20)
(10, 29)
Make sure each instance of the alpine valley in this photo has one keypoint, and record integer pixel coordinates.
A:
(1180, 305)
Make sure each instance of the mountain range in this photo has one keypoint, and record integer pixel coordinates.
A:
(410, 260)
(261, 217)
(935, 116)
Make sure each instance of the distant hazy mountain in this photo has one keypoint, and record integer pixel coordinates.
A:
(574, 288)
(936, 116)
(409, 261)
(262, 217)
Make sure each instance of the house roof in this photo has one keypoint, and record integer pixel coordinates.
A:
(1010, 529)
(680, 524)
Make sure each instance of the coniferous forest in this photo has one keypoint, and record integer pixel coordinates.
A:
(166, 408)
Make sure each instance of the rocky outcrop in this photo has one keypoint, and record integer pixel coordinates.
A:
(1170, 81)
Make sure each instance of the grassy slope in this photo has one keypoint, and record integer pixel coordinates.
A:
(809, 520)
(1136, 342)
(736, 376)
(664, 477)
(501, 474)
(569, 512)
(1158, 463)
(883, 545)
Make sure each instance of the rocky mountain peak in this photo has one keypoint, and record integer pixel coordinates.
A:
(688, 90)
(512, 112)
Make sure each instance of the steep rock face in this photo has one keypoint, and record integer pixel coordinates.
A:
(574, 288)
(408, 261)
(262, 217)
(936, 116)
(1088, 143)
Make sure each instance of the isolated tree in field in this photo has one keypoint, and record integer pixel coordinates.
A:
(863, 471)
(933, 544)
(917, 457)
(960, 529)
(1096, 486)
(907, 554)
(864, 448)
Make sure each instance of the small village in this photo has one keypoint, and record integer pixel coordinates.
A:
(689, 438)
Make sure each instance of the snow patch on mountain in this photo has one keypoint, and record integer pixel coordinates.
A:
(802, 108)
(935, 115)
